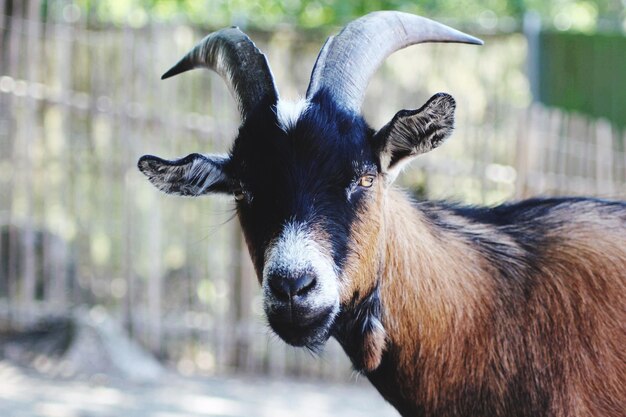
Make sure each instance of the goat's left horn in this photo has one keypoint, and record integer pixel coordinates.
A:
(347, 61)
(244, 68)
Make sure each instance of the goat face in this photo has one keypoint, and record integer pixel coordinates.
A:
(308, 180)
(298, 193)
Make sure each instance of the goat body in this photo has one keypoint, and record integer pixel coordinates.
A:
(516, 310)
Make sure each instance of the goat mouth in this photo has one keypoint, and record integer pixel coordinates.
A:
(311, 333)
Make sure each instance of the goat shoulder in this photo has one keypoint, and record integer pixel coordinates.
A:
(512, 310)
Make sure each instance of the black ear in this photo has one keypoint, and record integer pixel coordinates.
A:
(192, 175)
(413, 132)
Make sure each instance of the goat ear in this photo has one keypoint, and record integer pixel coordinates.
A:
(414, 132)
(192, 175)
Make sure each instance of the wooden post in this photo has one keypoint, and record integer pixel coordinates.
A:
(8, 66)
(155, 277)
(604, 158)
(127, 230)
(26, 140)
(247, 288)
(4, 34)
(523, 153)
(238, 304)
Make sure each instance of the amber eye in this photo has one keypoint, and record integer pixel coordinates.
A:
(366, 181)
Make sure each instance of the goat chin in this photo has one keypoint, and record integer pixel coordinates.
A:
(311, 333)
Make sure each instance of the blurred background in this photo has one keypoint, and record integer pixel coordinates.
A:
(118, 300)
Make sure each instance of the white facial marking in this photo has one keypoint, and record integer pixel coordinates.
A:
(288, 112)
(295, 251)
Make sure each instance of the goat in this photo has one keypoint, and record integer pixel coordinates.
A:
(515, 310)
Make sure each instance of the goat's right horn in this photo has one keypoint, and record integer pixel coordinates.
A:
(347, 61)
(244, 68)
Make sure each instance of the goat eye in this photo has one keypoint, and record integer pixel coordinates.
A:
(239, 194)
(366, 181)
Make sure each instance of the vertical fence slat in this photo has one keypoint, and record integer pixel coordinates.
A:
(604, 158)
(125, 142)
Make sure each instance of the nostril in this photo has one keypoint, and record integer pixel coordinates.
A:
(303, 284)
(279, 287)
(287, 287)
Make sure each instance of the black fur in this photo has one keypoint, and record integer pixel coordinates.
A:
(359, 317)
(301, 175)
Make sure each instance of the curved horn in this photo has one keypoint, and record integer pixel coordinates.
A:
(347, 61)
(244, 68)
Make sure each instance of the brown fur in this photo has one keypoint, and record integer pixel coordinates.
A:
(363, 261)
(362, 268)
(374, 344)
(451, 333)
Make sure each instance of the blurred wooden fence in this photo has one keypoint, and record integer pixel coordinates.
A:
(80, 226)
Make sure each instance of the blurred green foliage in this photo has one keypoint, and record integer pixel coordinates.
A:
(570, 80)
(267, 14)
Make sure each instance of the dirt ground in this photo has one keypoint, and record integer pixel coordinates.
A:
(24, 393)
